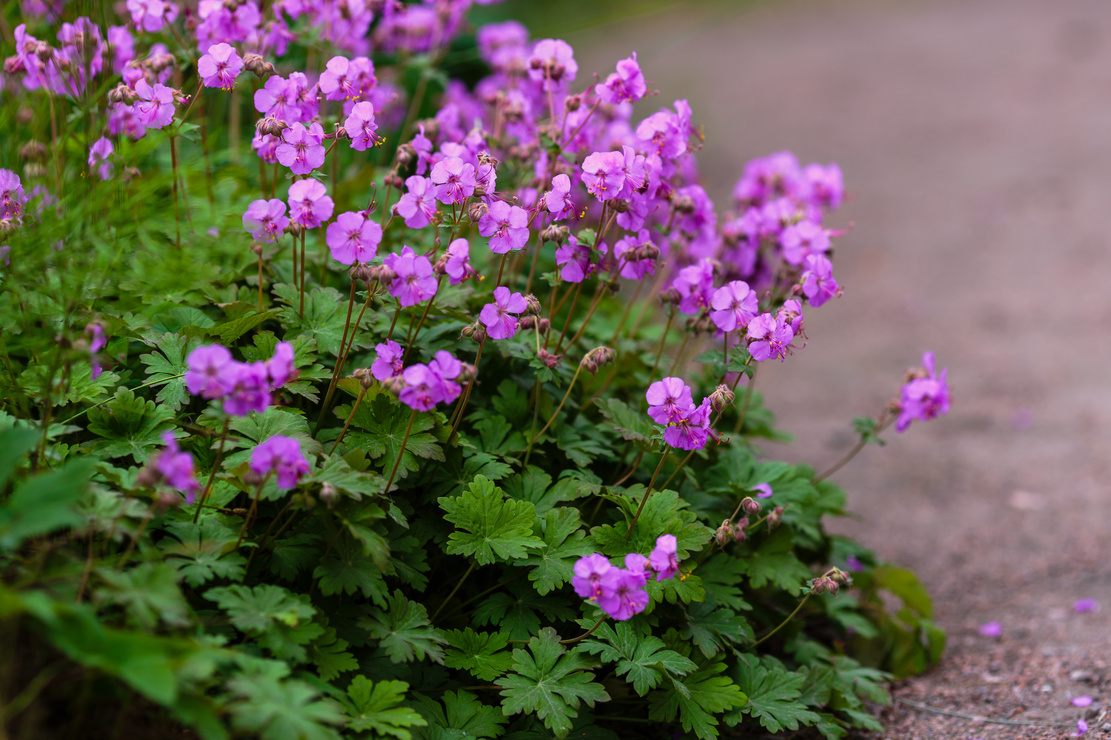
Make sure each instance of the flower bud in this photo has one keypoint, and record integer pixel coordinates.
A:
(256, 248)
(393, 180)
(670, 297)
(7, 226)
(32, 150)
(467, 373)
(271, 125)
(406, 153)
(33, 170)
(750, 505)
(479, 335)
(393, 385)
(295, 229)
(328, 493)
(13, 66)
(360, 271)
(467, 331)
(618, 205)
(573, 102)
(549, 359)
(724, 535)
(683, 204)
(477, 210)
(603, 356)
(527, 323)
(820, 585)
(364, 376)
(121, 93)
(555, 233)
(385, 274)
(545, 326)
(148, 477)
(775, 518)
(840, 576)
(721, 398)
(533, 307)
(647, 252)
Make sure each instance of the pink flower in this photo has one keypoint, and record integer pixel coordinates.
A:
(802, 239)
(266, 219)
(1081, 727)
(336, 82)
(12, 195)
(248, 388)
(281, 455)
(695, 284)
(991, 629)
(818, 283)
(1085, 605)
(418, 205)
(155, 108)
(99, 154)
(498, 316)
(604, 174)
(827, 187)
(557, 201)
(926, 396)
(208, 373)
(1082, 701)
(626, 85)
(577, 259)
(626, 595)
(692, 430)
(353, 237)
(150, 15)
(414, 282)
(635, 256)
(279, 98)
(769, 337)
(454, 179)
(665, 557)
(388, 362)
(176, 468)
(361, 126)
(302, 149)
(765, 490)
(309, 203)
(458, 265)
(735, 304)
(590, 572)
(506, 225)
(220, 66)
(669, 400)
(552, 64)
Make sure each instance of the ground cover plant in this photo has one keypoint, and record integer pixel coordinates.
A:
(368, 373)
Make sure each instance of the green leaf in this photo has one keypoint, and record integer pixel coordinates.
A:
(564, 543)
(129, 425)
(336, 471)
(282, 710)
(329, 654)
(258, 428)
(549, 682)
(148, 593)
(512, 401)
(277, 617)
(14, 444)
(481, 653)
(462, 717)
(632, 425)
(378, 709)
(304, 356)
(44, 503)
(493, 528)
(167, 366)
(711, 630)
(518, 612)
(201, 551)
(697, 699)
(324, 318)
(643, 658)
(665, 513)
(404, 631)
(378, 427)
(228, 332)
(291, 555)
(348, 570)
(721, 577)
(773, 698)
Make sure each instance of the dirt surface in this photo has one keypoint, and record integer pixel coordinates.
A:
(975, 137)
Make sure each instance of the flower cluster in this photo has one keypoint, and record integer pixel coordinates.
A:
(244, 387)
(281, 456)
(687, 425)
(172, 467)
(620, 591)
(925, 395)
(419, 386)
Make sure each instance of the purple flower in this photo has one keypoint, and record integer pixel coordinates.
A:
(506, 225)
(353, 237)
(414, 282)
(1081, 727)
(99, 154)
(155, 108)
(248, 388)
(769, 337)
(309, 203)
(220, 66)
(427, 385)
(498, 316)
(281, 455)
(735, 304)
(278, 98)
(454, 179)
(208, 373)
(577, 259)
(94, 334)
(458, 265)
(446, 368)
(626, 85)
(630, 254)
(552, 63)
(150, 15)
(692, 430)
(826, 185)
(1082, 701)
(802, 239)
(266, 219)
(589, 580)
(387, 364)
(12, 197)
(665, 557)
(281, 368)
(336, 81)
(852, 562)
(669, 400)
(176, 468)
(266, 146)
(765, 490)
(604, 174)
(695, 284)
(557, 201)
(302, 150)
(1085, 605)
(361, 126)
(818, 283)
(991, 629)
(636, 565)
(625, 596)
(924, 397)
(418, 205)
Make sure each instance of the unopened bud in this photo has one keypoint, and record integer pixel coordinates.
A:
(621, 206)
(32, 150)
(360, 271)
(535, 63)
(123, 94)
(545, 326)
(256, 248)
(724, 535)
(385, 274)
(33, 170)
(532, 305)
(555, 233)
(148, 477)
(7, 226)
(479, 335)
(13, 65)
(740, 529)
(775, 518)
(328, 493)
(573, 102)
(406, 153)
(394, 180)
(467, 373)
(364, 376)
(683, 204)
(840, 576)
(393, 385)
(750, 505)
(550, 359)
(604, 356)
(721, 398)
(527, 323)
(467, 331)
(477, 211)
(271, 125)
(647, 252)
(294, 228)
(670, 297)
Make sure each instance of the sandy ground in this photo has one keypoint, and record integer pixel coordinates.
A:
(975, 137)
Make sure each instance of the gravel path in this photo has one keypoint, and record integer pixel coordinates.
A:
(975, 136)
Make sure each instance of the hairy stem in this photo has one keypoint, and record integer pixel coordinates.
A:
(215, 469)
(354, 408)
(647, 493)
(458, 583)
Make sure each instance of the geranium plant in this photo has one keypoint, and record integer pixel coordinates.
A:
(422, 408)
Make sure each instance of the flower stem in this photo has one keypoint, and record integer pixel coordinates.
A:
(679, 355)
(401, 452)
(458, 583)
(362, 392)
(647, 493)
(570, 315)
(254, 508)
(215, 469)
(462, 406)
(301, 313)
(660, 350)
(340, 357)
(882, 423)
(745, 403)
(586, 634)
(134, 541)
(528, 451)
(413, 335)
(785, 621)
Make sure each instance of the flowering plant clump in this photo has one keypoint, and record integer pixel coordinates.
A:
(355, 394)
